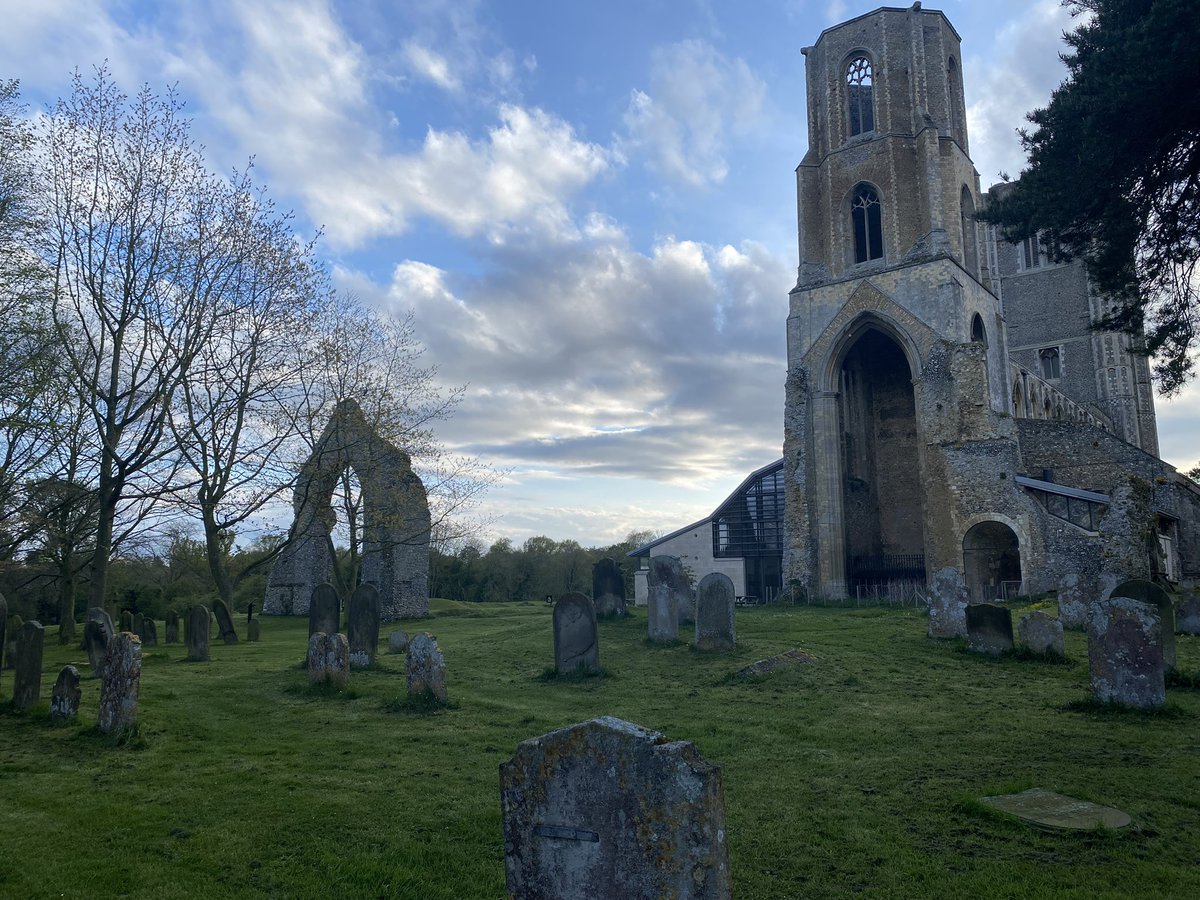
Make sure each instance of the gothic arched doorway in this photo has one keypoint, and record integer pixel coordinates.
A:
(991, 561)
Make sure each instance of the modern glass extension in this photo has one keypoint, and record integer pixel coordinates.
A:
(749, 525)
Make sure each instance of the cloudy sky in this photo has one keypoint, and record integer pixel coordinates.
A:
(589, 206)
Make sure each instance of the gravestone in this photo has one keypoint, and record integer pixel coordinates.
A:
(324, 610)
(27, 677)
(576, 647)
(197, 633)
(126, 620)
(64, 699)
(3, 630)
(1149, 592)
(1041, 634)
(1050, 810)
(363, 626)
(1187, 616)
(947, 604)
(667, 590)
(137, 626)
(172, 627)
(608, 809)
(97, 632)
(1125, 653)
(714, 613)
(425, 668)
(989, 629)
(608, 588)
(397, 641)
(785, 660)
(328, 659)
(121, 682)
(225, 622)
(1073, 600)
(10, 649)
(149, 633)
(253, 633)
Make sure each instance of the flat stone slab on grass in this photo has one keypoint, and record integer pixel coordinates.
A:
(1052, 810)
(785, 660)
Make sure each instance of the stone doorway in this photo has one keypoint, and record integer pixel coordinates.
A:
(991, 561)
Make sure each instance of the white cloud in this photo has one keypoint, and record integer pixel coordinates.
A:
(431, 66)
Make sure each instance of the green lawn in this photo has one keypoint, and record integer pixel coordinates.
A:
(855, 774)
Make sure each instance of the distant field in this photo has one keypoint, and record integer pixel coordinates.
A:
(855, 774)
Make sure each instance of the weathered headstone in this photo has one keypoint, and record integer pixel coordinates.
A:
(608, 588)
(576, 646)
(1187, 616)
(989, 629)
(197, 633)
(1050, 810)
(149, 633)
(253, 632)
(172, 627)
(425, 668)
(225, 621)
(27, 678)
(126, 620)
(947, 604)
(324, 610)
(714, 613)
(363, 626)
(1041, 634)
(10, 649)
(397, 641)
(786, 660)
(328, 659)
(138, 625)
(1125, 653)
(667, 589)
(1073, 600)
(1149, 592)
(97, 632)
(64, 699)
(607, 809)
(121, 683)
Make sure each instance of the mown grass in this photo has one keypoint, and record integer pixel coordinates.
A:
(856, 773)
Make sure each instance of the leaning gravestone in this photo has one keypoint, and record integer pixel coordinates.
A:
(1073, 600)
(225, 622)
(64, 699)
(714, 613)
(172, 627)
(253, 631)
(97, 632)
(1125, 653)
(324, 610)
(1041, 634)
(121, 682)
(397, 641)
(947, 604)
(1149, 592)
(149, 633)
(197, 633)
(989, 629)
(425, 668)
(667, 590)
(576, 648)
(607, 809)
(10, 649)
(138, 624)
(328, 659)
(27, 679)
(608, 588)
(363, 627)
(1187, 616)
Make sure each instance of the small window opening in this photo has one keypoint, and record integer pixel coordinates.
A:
(1051, 364)
(867, 216)
(859, 90)
(978, 332)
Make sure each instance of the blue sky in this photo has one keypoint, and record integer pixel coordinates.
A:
(589, 206)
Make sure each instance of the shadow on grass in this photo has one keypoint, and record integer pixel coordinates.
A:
(1187, 680)
(426, 704)
(1050, 658)
(663, 645)
(1093, 707)
(131, 738)
(322, 690)
(580, 674)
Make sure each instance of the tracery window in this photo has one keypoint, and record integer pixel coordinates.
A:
(866, 214)
(1051, 364)
(860, 95)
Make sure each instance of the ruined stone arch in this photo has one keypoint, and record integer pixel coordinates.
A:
(828, 375)
(991, 548)
(1018, 401)
(396, 523)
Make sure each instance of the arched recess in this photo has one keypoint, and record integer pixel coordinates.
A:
(860, 94)
(991, 560)
(1018, 402)
(966, 213)
(958, 128)
(978, 330)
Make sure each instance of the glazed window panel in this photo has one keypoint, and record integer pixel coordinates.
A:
(1050, 362)
(860, 95)
(866, 214)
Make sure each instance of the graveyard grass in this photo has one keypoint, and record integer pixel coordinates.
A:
(856, 773)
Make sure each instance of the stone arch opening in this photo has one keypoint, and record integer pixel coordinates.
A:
(991, 561)
(1018, 401)
(883, 505)
(978, 331)
(966, 213)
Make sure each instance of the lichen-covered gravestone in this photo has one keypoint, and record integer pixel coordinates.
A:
(328, 659)
(1149, 592)
(64, 699)
(667, 590)
(149, 633)
(608, 809)
(121, 683)
(425, 669)
(137, 624)
(97, 632)
(1041, 634)
(714, 613)
(27, 677)
(363, 627)
(324, 610)
(225, 622)
(397, 641)
(947, 604)
(1187, 616)
(1125, 653)
(608, 588)
(197, 633)
(10, 648)
(1073, 600)
(989, 629)
(172, 627)
(576, 647)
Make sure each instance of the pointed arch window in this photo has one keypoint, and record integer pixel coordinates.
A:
(860, 89)
(866, 214)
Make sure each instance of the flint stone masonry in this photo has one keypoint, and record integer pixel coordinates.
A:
(64, 699)
(608, 588)
(1151, 593)
(397, 641)
(607, 809)
(396, 522)
(1125, 653)
(668, 590)
(1127, 528)
(172, 627)
(947, 604)
(1073, 600)
(224, 622)
(989, 629)
(328, 659)
(363, 628)
(121, 683)
(197, 633)
(97, 632)
(324, 610)
(1187, 616)
(715, 613)
(576, 647)
(27, 677)
(425, 668)
(1041, 634)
